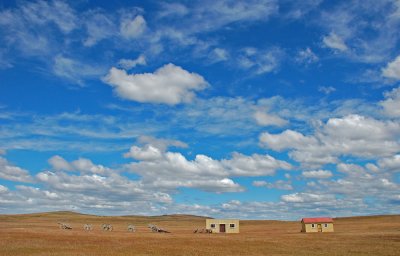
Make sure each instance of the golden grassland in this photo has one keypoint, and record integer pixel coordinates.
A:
(39, 234)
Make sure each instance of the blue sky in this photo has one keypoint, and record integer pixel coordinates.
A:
(243, 109)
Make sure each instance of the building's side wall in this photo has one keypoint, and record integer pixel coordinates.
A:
(227, 223)
(303, 227)
(310, 229)
(329, 228)
(307, 227)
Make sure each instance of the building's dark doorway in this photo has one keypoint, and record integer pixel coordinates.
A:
(222, 228)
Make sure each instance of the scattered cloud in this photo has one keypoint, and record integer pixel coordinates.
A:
(306, 56)
(260, 61)
(82, 165)
(391, 164)
(57, 12)
(299, 9)
(152, 148)
(280, 184)
(75, 131)
(75, 71)
(265, 119)
(129, 64)
(4, 61)
(172, 10)
(285, 140)
(306, 198)
(133, 28)
(360, 31)
(13, 173)
(392, 70)
(169, 84)
(391, 104)
(335, 42)
(254, 165)
(352, 135)
(3, 189)
(212, 15)
(99, 26)
(327, 89)
(169, 170)
(218, 55)
(320, 174)
(359, 183)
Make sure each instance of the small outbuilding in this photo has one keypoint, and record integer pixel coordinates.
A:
(222, 226)
(317, 225)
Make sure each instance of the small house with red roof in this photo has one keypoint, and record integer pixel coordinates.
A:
(317, 225)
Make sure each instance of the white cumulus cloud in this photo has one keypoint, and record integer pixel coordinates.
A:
(352, 135)
(59, 163)
(285, 140)
(254, 165)
(147, 152)
(170, 170)
(169, 84)
(391, 104)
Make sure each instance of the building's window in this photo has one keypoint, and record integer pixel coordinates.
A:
(313, 225)
(232, 225)
(212, 225)
(326, 225)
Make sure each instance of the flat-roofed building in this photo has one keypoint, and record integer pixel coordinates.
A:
(222, 225)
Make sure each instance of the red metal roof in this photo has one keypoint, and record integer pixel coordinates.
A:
(317, 220)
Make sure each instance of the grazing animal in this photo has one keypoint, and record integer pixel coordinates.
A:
(154, 228)
(64, 226)
(131, 228)
(203, 230)
(87, 227)
(107, 227)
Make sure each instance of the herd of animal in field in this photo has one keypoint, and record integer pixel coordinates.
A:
(109, 227)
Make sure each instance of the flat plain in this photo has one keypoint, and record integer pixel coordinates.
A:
(39, 234)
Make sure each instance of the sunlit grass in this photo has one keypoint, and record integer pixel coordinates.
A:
(39, 234)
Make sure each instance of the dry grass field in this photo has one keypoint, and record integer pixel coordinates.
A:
(39, 234)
